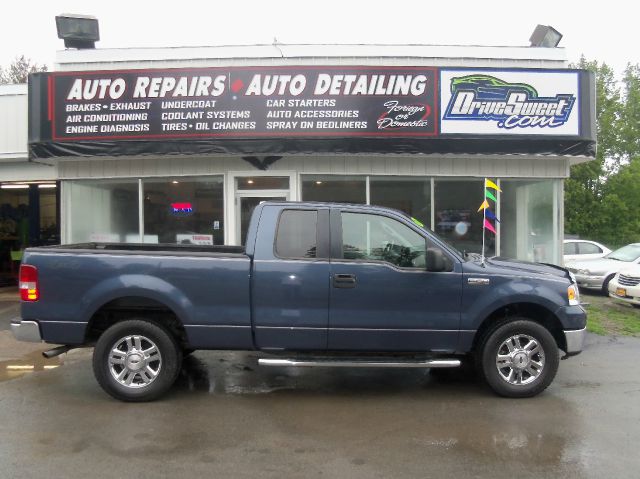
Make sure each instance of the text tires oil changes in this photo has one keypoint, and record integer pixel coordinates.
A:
(136, 360)
(518, 358)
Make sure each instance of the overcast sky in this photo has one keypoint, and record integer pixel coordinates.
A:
(606, 31)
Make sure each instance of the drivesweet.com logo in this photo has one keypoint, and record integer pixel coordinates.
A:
(511, 105)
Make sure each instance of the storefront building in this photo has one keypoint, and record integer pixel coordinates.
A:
(178, 145)
(29, 196)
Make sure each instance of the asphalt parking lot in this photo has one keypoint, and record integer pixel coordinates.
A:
(227, 417)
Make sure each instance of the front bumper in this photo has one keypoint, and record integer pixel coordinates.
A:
(575, 340)
(631, 296)
(26, 331)
(625, 299)
(589, 282)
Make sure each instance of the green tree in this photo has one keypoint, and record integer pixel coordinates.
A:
(602, 195)
(584, 189)
(19, 70)
(630, 115)
(619, 215)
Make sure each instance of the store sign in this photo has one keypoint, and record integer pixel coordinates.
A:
(309, 110)
(510, 102)
(244, 103)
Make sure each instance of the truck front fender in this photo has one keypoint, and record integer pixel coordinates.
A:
(478, 307)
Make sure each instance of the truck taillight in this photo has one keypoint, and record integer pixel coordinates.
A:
(29, 283)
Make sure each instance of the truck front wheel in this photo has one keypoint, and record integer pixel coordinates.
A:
(136, 360)
(518, 358)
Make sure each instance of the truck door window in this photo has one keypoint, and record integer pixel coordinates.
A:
(378, 238)
(297, 234)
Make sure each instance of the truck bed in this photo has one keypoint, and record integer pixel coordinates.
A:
(205, 287)
(144, 248)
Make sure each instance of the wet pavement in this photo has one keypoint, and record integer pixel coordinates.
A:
(227, 417)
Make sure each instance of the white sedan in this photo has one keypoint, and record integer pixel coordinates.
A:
(596, 273)
(575, 249)
(625, 286)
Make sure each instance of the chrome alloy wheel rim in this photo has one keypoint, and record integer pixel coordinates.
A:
(135, 361)
(520, 359)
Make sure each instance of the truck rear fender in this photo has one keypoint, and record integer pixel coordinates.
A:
(149, 295)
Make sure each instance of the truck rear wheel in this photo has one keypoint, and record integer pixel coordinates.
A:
(136, 360)
(518, 358)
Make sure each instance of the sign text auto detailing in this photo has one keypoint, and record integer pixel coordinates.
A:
(245, 102)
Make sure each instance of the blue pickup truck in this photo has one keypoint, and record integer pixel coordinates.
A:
(317, 284)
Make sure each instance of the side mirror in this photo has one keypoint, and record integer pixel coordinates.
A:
(436, 260)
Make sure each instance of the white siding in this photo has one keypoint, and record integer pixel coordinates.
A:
(13, 122)
(499, 166)
(281, 54)
(27, 171)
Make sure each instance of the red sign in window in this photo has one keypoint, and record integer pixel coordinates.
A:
(181, 208)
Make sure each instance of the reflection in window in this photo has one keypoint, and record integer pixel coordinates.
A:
(374, 237)
(337, 189)
(184, 211)
(569, 248)
(456, 217)
(410, 195)
(297, 232)
(528, 223)
(588, 248)
(103, 211)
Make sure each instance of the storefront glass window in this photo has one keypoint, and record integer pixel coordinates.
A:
(263, 183)
(338, 189)
(456, 217)
(411, 195)
(49, 232)
(184, 210)
(102, 211)
(529, 220)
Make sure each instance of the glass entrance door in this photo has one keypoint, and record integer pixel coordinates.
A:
(246, 205)
(246, 191)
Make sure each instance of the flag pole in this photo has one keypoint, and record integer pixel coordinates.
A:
(484, 218)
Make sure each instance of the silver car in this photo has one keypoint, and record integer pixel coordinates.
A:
(578, 249)
(596, 273)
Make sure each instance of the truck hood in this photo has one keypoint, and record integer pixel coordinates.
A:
(516, 267)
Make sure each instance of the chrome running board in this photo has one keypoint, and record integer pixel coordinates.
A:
(355, 363)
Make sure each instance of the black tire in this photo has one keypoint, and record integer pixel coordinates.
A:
(166, 364)
(605, 285)
(494, 342)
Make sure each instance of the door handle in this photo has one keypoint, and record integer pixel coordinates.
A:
(344, 280)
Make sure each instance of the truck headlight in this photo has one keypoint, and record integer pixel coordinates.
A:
(573, 295)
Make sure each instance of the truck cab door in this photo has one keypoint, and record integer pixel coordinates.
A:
(290, 280)
(382, 296)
